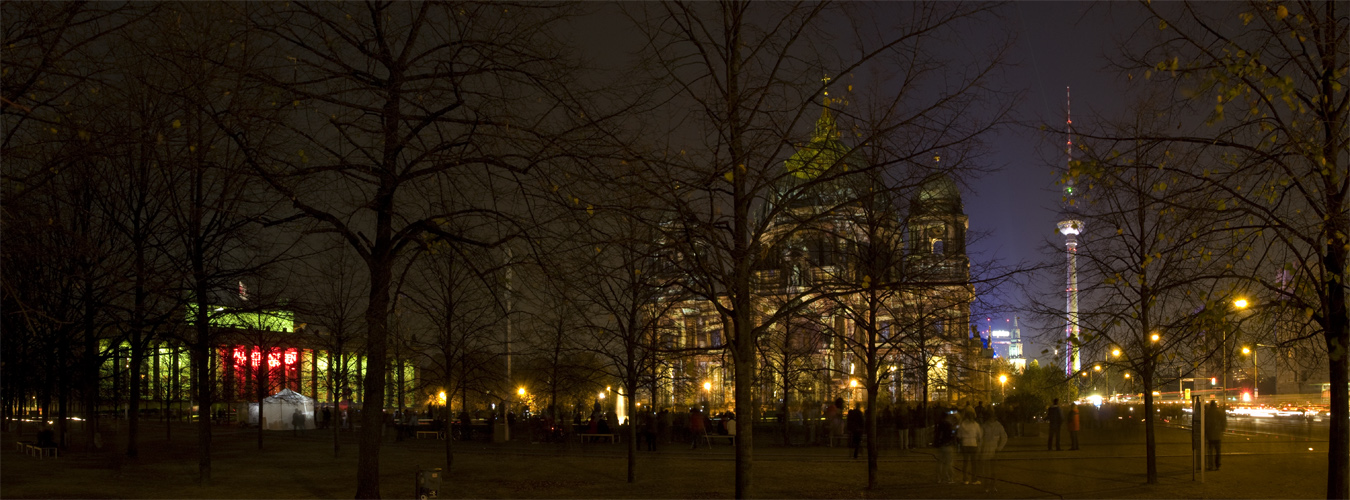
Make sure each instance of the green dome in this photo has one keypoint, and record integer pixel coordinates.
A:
(937, 194)
(822, 153)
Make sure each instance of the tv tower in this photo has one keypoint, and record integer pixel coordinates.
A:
(1070, 227)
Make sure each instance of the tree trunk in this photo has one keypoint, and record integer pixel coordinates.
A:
(872, 427)
(201, 355)
(377, 315)
(1150, 444)
(630, 386)
(260, 390)
(1337, 333)
(134, 393)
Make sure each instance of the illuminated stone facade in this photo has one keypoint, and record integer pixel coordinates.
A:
(840, 255)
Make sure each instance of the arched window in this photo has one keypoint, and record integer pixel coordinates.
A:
(937, 247)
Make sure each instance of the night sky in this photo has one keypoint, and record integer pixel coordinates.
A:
(1060, 44)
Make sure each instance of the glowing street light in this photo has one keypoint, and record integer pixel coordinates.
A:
(1115, 352)
(707, 386)
(1154, 337)
(853, 383)
(1002, 384)
(1240, 303)
(520, 391)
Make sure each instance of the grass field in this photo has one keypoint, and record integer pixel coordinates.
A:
(1110, 466)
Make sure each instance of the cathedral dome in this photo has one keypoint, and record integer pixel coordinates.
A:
(938, 194)
(825, 154)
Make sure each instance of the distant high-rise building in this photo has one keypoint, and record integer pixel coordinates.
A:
(1001, 342)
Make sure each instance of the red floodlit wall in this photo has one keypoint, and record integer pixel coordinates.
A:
(240, 365)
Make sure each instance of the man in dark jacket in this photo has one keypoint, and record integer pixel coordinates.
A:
(1216, 422)
(1056, 420)
(856, 426)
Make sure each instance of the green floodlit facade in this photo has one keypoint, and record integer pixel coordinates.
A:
(220, 317)
(240, 365)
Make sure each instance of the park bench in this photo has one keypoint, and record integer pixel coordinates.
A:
(428, 435)
(586, 438)
(730, 436)
(708, 438)
(32, 449)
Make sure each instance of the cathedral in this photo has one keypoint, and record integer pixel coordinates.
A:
(855, 287)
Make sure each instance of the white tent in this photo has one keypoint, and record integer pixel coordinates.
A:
(279, 410)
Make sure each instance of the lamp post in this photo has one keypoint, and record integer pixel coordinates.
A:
(1238, 304)
(1002, 384)
(1256, 374)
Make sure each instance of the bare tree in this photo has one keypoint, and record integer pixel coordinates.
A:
(745, 74)
(401, 117)
(1154, 264)
(1270, 80)
(453, 292)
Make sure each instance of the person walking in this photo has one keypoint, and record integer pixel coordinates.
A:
(970, 434)
(944, 439)
(696, 427)
(1074, 426)
(648, 430)
(994, 439)
(1216, 422)
(1056, 419)
(297, 421)
(856, 425)
(834, 417)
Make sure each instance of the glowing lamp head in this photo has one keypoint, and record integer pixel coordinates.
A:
(707, 386)
(1246, 350)
(1115, 352)
(1240, 303)
(1154, 337)
(1127, 375)
(601, 395)
(1098, 368)
(520, 391)
(1002, 379)
(853, 383)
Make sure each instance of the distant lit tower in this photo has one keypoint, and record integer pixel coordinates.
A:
(1070, 226)
(1015, 356)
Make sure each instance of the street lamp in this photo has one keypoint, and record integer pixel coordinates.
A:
(1238, 304)
(1256, 379)
(1002, 383)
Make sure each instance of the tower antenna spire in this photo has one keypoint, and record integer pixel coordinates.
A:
(1068, 146)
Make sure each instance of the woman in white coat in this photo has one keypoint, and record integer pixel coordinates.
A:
(995, 438)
